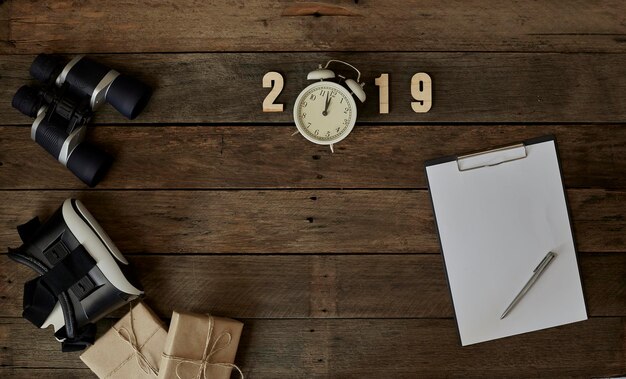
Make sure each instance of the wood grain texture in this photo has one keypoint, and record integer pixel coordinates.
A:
(414, 25)
(467, 87)
(268, 156)
(368, 348)
(315, 286)
(48, 373)
(307, 221)
(5, 43)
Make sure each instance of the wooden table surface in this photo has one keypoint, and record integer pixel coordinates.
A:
(331, 260)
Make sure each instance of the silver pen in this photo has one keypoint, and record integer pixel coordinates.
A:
(536, 274)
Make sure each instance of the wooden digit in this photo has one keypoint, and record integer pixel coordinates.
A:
(275, 81)
(422, 91)
(383, 93)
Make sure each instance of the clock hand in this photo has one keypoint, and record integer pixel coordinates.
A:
(326, 104)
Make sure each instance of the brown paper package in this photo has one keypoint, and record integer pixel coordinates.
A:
(187, 347)
(113, 357)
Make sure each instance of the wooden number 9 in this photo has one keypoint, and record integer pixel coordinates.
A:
(422, 91)
(278, 82)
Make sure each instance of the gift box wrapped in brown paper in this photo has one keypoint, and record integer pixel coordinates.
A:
(200, 346)
(132, 348)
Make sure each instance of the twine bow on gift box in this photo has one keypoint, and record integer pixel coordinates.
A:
(204, 363)
(131, 339)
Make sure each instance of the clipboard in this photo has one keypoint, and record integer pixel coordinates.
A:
(498, 212)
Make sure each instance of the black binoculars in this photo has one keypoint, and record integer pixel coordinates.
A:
(64, 106)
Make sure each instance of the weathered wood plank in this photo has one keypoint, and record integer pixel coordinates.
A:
(269, 157)
(319, 286)
(376, 348)
(307, 221)
(481, 87)
(415, 25)
(604, 295)
(48, 373)
(5, 45)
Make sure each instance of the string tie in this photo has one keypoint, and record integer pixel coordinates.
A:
(209, 351)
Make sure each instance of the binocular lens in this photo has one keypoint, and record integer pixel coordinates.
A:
(27, 101)
(128, 95)
(89, 163)
(46, 68)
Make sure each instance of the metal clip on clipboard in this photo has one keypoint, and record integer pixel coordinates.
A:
(491, 157)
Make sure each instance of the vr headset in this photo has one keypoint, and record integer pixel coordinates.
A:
(82, 275)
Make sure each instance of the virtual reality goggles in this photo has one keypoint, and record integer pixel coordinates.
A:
(82, 275)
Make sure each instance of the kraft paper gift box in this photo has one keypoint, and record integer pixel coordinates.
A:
(132, 348)
(200, 346)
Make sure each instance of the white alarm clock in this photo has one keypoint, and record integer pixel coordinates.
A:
(325, 111)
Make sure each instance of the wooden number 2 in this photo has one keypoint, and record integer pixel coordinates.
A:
(383, 93)
(278, 83)
(422, 91)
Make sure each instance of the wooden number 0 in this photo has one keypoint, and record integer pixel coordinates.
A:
(278, 83)
(422, 91)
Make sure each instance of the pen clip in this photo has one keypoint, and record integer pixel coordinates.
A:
(544, 262)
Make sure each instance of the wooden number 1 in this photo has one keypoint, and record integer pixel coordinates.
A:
(422, 91)
(278, 83)
(383, 93)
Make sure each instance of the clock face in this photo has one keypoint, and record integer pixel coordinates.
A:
(324, 112)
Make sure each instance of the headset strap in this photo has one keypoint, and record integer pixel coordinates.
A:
(27, 230)
(41, 293)
(85, 337)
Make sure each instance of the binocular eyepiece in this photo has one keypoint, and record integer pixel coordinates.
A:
(87, 78)
(30, 101)
(64, 106)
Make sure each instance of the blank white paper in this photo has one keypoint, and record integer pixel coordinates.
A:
(496, 224)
